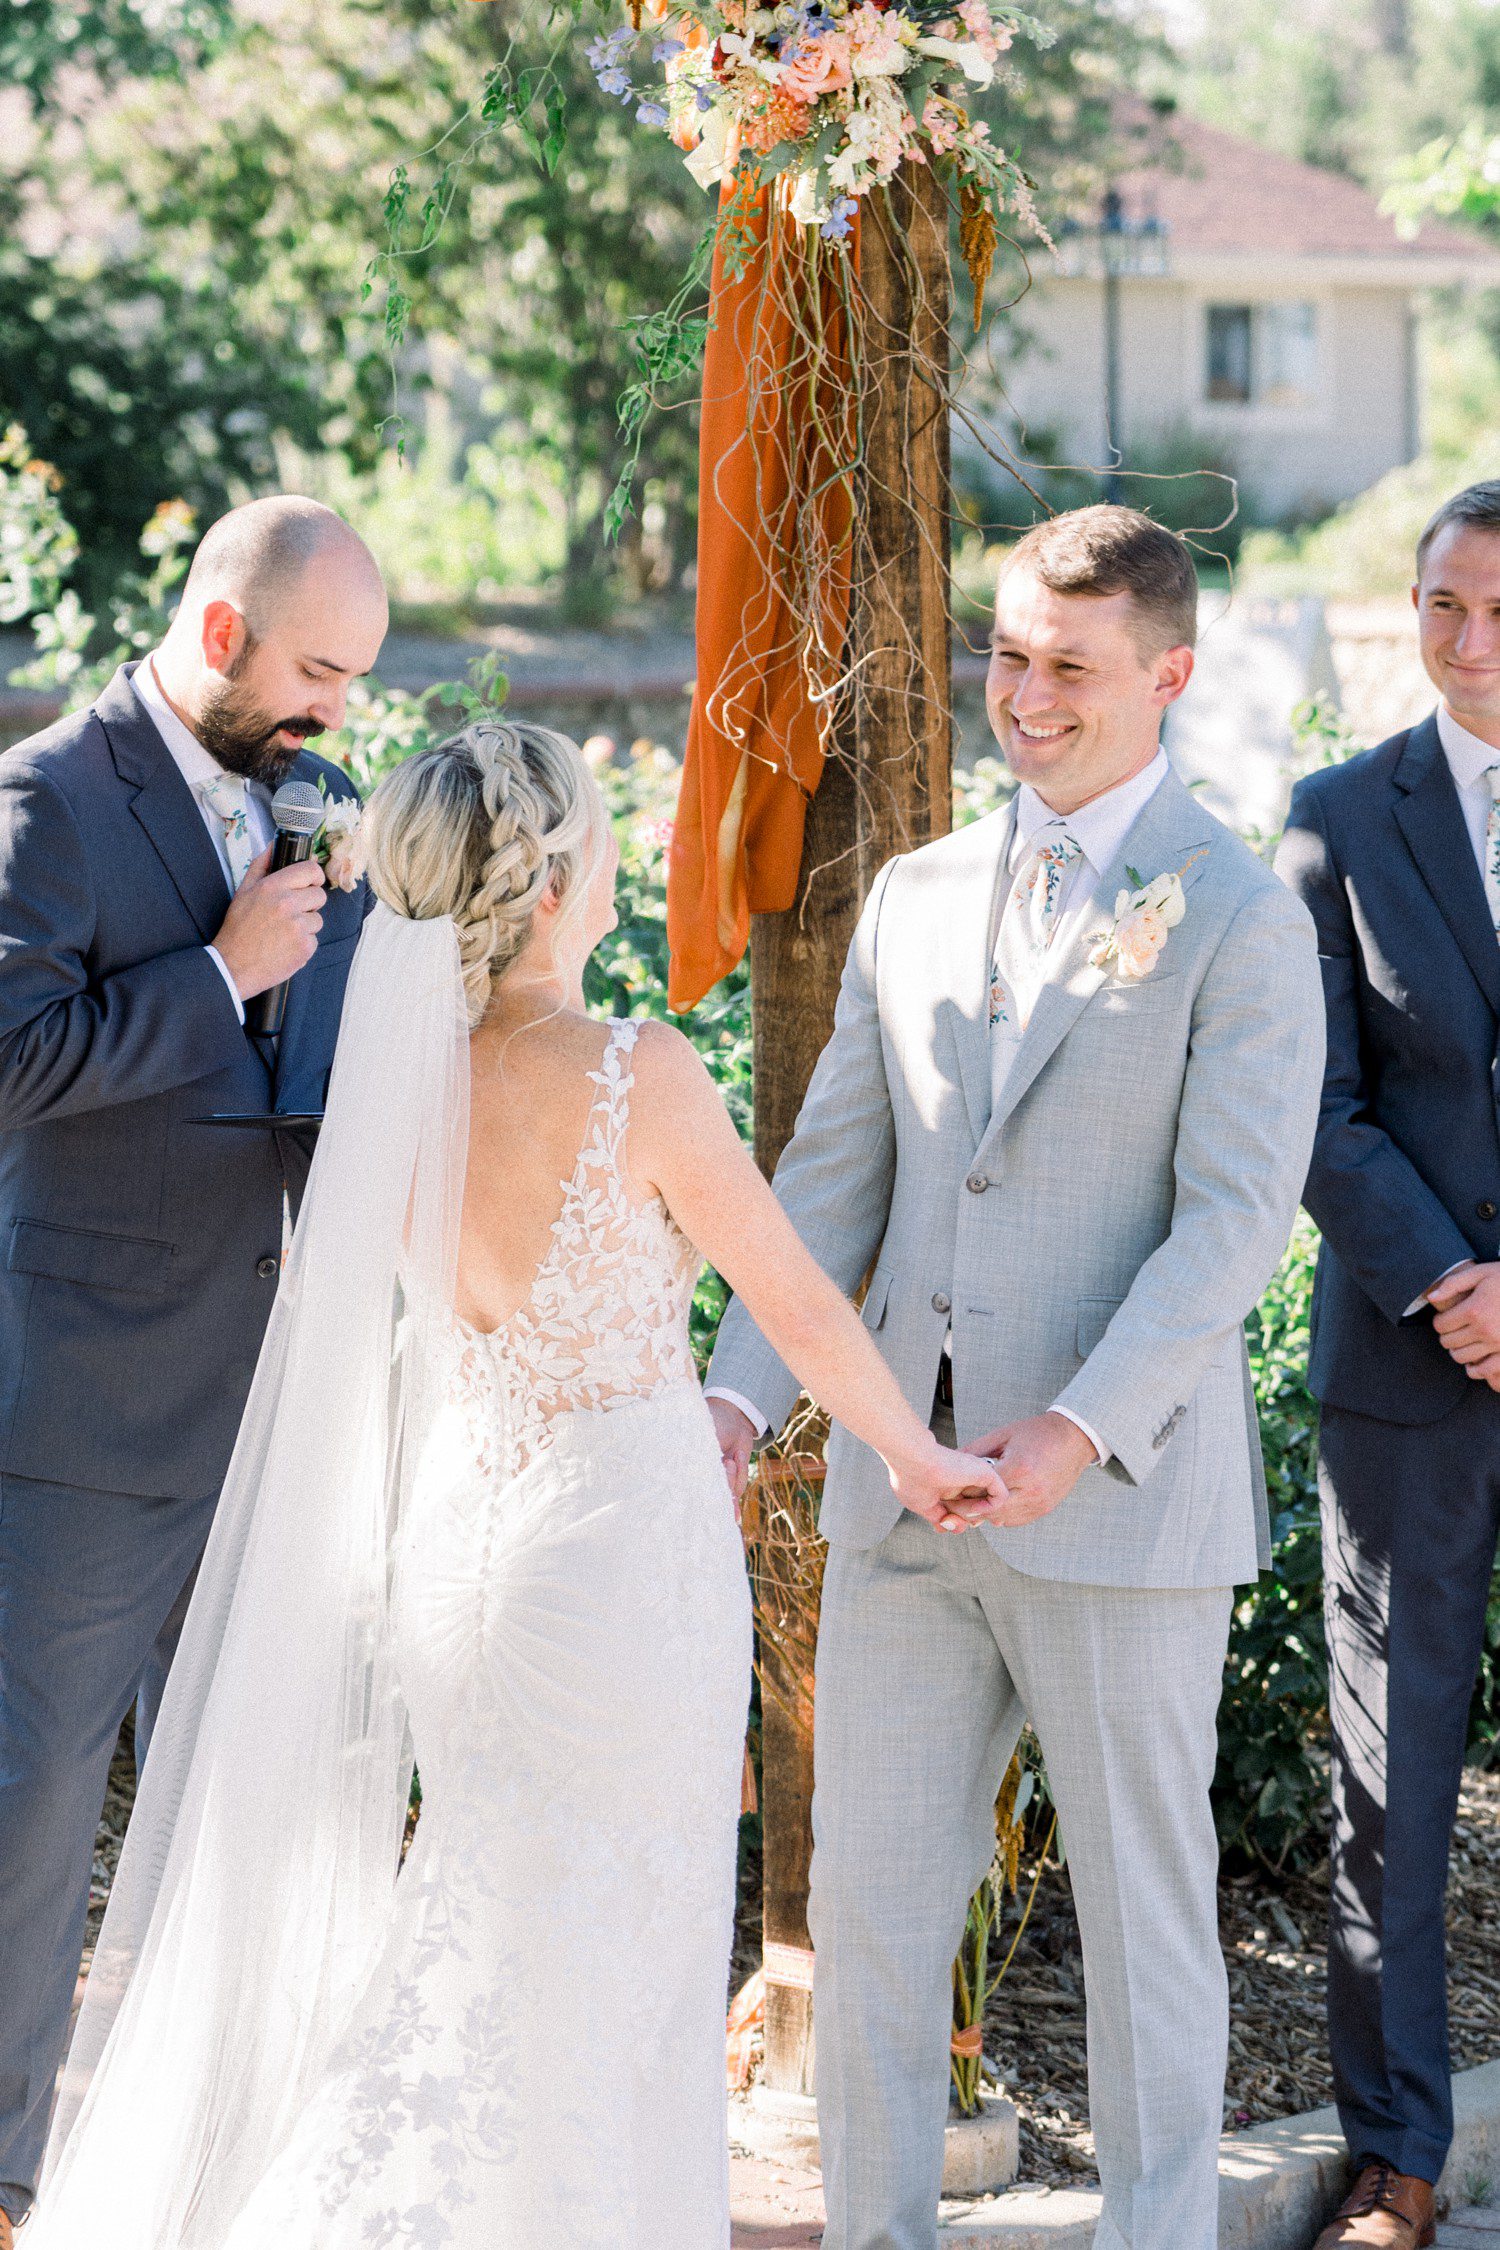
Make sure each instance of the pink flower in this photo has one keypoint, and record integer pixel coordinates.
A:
(345, 864)
(975, 18)
(817, 67)
(940, 123)
(1139, 938)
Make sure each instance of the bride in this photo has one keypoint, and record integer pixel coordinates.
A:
(477, 1512)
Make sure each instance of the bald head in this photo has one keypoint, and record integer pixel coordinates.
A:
(282, 608)
(257, 557)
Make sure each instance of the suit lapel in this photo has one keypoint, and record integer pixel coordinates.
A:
(966, 908)
(163, 804)
(1431, 819)
(1168, 829)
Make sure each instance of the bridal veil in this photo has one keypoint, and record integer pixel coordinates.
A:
(262, 1857)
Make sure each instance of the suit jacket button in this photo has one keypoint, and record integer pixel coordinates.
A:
(1486, 1209)
(940, 1303)
(268, 1268)
(976, 1183)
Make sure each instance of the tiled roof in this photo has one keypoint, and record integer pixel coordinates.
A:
(1218, 192)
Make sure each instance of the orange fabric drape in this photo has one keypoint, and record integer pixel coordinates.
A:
(774, 530)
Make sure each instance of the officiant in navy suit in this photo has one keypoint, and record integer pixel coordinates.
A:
(139, 1245)
(1397, 854)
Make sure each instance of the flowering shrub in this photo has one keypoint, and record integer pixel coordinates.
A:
(38, 547)
(827, 96)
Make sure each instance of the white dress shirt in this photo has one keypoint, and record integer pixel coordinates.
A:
(1099, 828)
(197, 765)
(1469, 760)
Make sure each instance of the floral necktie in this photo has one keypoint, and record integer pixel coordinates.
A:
(1028, 925)
(1492, 847)
(229, 798)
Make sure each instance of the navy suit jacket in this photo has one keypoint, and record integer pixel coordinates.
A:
(1405, 1177)
(139, 1247)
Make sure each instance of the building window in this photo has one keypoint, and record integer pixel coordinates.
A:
(1229, 352)
(1263, 355)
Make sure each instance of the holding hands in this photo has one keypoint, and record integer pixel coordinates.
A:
(949, 1490)
(1467, 1306)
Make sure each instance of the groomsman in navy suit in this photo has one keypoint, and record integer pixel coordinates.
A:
(1397, 854)
(139, 1246)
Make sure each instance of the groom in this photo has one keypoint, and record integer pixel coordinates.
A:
(1069, 1136)
(139, 1245)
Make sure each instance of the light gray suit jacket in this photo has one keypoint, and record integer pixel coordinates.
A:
(1098, 1241)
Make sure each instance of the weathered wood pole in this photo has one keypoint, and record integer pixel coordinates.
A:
(888, 790)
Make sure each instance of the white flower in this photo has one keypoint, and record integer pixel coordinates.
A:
(966, 53)
(342, 816)
(1143, 919)
(807, 207)
(709, 162)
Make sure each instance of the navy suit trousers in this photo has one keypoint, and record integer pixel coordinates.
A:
(93, 1591)
(1410, 1517)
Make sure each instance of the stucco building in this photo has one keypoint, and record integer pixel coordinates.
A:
(1264, 313)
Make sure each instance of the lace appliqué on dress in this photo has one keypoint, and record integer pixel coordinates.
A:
(606, 1319)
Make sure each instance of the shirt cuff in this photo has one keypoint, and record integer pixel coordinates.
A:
(1420, 1304)
(222, 966)
(752, 1414)
(1093, 1436)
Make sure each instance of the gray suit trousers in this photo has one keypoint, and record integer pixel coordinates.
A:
(932, 1652)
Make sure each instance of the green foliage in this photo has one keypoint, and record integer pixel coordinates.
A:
(38, 546)
(1355, 84)
(1273, 1723)
(77, 649)
(1449, 178)
(40, 39)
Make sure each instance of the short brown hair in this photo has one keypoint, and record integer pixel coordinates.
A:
(1110, 550)
(1477, 504)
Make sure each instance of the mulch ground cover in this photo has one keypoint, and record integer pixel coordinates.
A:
(1272, 1930)
(1272, 1933)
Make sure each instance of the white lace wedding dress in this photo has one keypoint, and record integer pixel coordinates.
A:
(537, 2062)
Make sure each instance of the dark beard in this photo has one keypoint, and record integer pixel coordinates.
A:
(233, 729)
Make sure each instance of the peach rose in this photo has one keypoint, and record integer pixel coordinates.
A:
(1139, 939)
(817, 67)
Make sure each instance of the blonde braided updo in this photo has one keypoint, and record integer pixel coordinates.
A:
(478, 827)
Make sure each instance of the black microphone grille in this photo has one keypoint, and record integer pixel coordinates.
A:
(297, 808)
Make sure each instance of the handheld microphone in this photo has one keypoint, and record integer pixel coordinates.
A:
(297, 809)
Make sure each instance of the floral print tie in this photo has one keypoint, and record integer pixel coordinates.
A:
(1028, 926)
(229, 798)
(1492, 847)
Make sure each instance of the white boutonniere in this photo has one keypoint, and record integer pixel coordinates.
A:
(1144, 917)
(337, 845)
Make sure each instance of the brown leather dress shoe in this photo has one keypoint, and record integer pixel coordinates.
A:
(1385, 2210)
(7, 2233)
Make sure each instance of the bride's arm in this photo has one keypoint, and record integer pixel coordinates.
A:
(683, 1144)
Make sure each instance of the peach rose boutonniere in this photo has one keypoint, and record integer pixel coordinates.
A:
(338, 845)
(1145, 916)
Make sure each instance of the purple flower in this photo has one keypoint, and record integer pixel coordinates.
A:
(651, 113)
(606, 55)
(835, 227)
(665, 49)
(703, 97)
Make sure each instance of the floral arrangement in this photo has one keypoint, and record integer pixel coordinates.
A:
(828, 97)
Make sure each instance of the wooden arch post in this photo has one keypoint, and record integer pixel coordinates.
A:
(888, 789)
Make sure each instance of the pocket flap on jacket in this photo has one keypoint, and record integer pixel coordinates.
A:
(94, 1261)
(1094, 1316)
(872, 1311)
